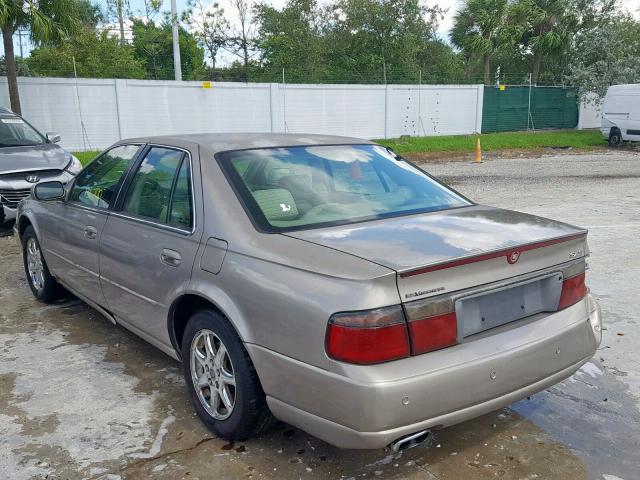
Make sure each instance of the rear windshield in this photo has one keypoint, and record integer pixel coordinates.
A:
(306, 187)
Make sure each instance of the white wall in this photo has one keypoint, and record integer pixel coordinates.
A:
(92, 114)
(590, 113)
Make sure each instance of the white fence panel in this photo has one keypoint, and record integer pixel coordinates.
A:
(590, 113)
(351, 110)
(51, 105)
(166, 107)
(92, 114)
(435, 110)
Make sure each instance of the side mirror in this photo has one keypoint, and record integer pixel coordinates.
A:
(53, 137)
(49, 191)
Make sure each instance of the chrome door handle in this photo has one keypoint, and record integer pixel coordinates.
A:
(170, 257)
(90, 232)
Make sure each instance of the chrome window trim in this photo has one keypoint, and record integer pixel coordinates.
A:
(166, 226)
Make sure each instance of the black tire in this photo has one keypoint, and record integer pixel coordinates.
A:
(250, 414)
(50, 291)
(615, 138)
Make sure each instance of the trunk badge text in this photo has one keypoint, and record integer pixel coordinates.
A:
(423, 292)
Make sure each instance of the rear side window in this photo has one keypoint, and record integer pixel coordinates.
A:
(160, 190)
(98, 184)
(181, 207)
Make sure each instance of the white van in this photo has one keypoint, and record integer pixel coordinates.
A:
(621, 114)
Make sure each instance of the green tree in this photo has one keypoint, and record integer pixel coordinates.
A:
(606, 54)
(440, 64)
(547, 27)
(97, 55)
(290, 38)
(153, 47)
(480, 30)
(47, 20)
(371, 39)
(209, 26)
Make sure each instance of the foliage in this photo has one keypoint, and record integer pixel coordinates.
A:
(209, 26)
(291, 39)
(152, 45)
(22, 68)
(480, 30)
(97, 55)
(607, 54)
(546, 28)
(48, 21)
(344, 41)
(579, 139)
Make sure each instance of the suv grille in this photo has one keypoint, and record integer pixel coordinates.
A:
(11, 198)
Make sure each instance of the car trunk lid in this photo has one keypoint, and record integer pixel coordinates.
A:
(456, 249)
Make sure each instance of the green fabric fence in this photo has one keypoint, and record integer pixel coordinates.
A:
(506, 109)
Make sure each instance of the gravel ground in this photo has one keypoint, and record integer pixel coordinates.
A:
(82, 399)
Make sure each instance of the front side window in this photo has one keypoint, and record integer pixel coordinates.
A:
(149, 194)
(306, 187)
(15, 132)
(98, 184)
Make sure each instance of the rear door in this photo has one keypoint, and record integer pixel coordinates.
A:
(149, 243)
(72, 228)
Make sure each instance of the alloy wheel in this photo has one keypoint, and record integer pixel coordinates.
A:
(35, 266)
(212, 374)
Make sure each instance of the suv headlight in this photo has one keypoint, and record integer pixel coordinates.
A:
(74, 166)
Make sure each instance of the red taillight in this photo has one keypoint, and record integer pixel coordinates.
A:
(433, 333)
(432, 324)
(573, 290)
(368, 337)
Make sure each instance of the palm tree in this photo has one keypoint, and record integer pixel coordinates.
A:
(479, 28)
(47, 20)
(460, 35)
(546, 29)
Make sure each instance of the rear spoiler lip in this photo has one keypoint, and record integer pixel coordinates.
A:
(503, 252)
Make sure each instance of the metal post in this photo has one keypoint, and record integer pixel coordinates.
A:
(284, 103)
(529, 107)
(419, 98)
(177, 68)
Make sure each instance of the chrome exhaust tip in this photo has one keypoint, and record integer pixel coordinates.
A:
(410, 441)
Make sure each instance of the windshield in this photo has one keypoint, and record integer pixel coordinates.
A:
(15, 132)
(305, 187)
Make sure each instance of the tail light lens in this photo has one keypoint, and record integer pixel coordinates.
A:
(573, 290)
(421, 326)
(368, 337)
(432, 324)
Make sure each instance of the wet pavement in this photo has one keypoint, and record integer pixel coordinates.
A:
(80, 398)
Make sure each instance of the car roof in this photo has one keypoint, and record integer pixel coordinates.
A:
(219, 142)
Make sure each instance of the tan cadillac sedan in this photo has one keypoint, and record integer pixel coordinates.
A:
(323, 281)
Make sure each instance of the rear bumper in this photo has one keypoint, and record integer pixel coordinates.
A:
(370, 407)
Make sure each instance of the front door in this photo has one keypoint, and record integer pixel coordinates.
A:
(72, 227)
(148, 245)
